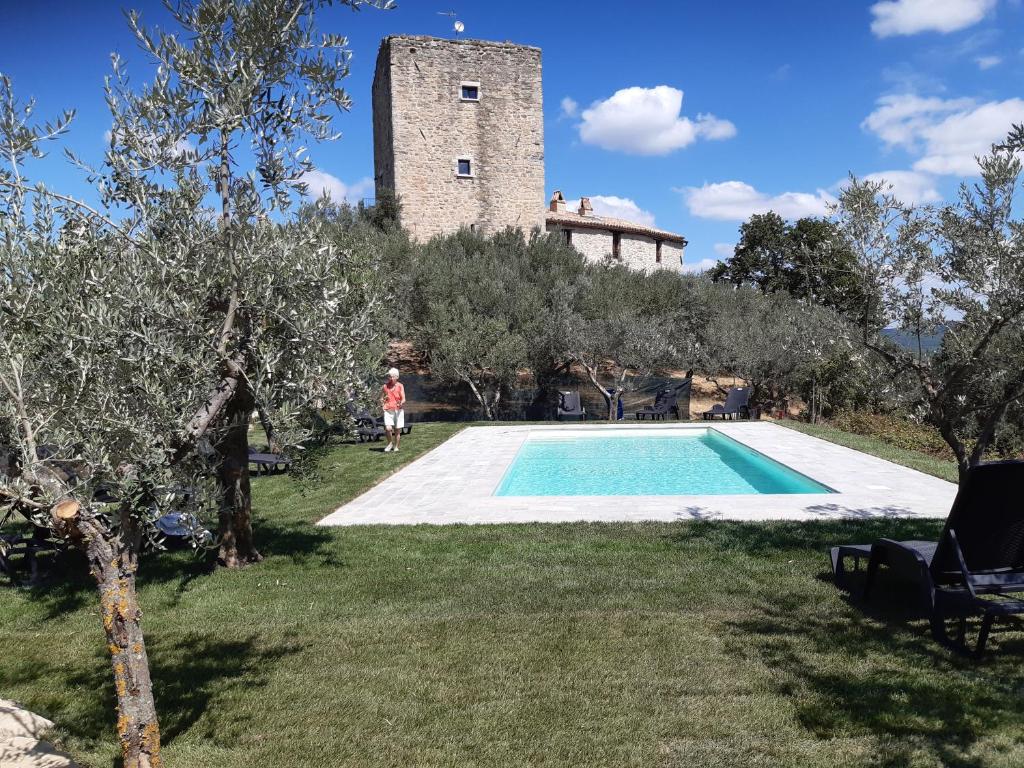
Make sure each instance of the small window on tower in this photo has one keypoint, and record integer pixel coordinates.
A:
(616, 245)
(657, 251)
(469, 91)
(465, 167)
(568, 236)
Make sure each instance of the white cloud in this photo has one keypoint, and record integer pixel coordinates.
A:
(647, 121)
(908, 186)
(725, 250)
(908, 17)
(320, 182)
(699, 266)
(738, 201)
(616, 208)
(947, 133)
(569, 107)
(987, 62)
(899, 119)
(714, 128)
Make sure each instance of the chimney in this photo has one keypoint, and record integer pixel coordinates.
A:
(586, 209)
(557, 203)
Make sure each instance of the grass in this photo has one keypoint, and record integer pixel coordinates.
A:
(922, 462)
(682, 644)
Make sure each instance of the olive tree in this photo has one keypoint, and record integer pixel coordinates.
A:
(774, 342)
(958, 270)
(141, 334)
(88, 422)
(475, 310)
(628, 323)
(201, 158)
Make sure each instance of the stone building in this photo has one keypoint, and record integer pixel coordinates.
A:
(600, 237)
(458, 133)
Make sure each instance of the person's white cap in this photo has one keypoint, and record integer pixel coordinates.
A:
(393, 373)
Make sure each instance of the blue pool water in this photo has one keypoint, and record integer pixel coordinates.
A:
(703, 462)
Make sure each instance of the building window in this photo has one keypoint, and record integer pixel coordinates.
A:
(464, 167)
(469, 91)
(567, 234)
(616, 250)
(657, 251)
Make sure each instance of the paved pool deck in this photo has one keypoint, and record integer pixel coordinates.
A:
(455, 483)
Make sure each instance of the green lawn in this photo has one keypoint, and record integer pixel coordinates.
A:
(686, 644)
(922, 462)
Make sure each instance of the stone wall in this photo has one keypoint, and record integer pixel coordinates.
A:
(422, 127)
(383, 134)
(595, 244)
(672, 255)
(636, 251)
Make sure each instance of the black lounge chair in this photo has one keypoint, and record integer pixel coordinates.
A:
(664, 404)
(977, 565)
(363, 417)
(737, 405)
(667, 401)
(24, 550)
(570, 407)
(368, 433)
(268, 463)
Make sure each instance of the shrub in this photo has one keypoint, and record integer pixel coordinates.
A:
(896, 430)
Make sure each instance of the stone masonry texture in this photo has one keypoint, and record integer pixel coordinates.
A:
(422, 127)
(635, 251)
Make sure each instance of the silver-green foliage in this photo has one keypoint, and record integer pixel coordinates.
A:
(958, 269)
(774, 342)
(125, 325)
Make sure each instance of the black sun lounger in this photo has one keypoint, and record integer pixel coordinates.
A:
(737, 405)
(570, 407)
(977, 565)
(268, 463)
(664, 404)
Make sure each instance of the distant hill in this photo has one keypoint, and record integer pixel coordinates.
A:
(929, 343)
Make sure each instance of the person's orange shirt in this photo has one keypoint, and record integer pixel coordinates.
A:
(394, 396)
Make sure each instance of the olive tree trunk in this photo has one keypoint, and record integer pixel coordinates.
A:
(113, 560)
(237, 546)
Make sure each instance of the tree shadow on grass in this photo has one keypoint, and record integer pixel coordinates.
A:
(304, 544)
(873, 668)
(67, 587)
(765, 539)
(189, 674)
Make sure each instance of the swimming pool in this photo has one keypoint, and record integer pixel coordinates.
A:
(694, 462)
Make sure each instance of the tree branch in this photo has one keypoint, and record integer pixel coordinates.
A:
(210, 410)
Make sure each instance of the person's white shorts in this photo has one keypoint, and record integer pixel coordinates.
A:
(395, 419)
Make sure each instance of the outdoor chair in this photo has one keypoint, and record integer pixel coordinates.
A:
(268, 463)
(667, 401)
(664, 404)
(24, 550)
(737, 405)
(570, 407)
(363, 417)
(368, 433)
(977, 565)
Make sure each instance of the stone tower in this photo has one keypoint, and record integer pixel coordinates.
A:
(458, 133)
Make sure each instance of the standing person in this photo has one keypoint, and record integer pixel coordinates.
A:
(392, 400)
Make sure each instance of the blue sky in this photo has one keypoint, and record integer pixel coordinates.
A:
(688, 114)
